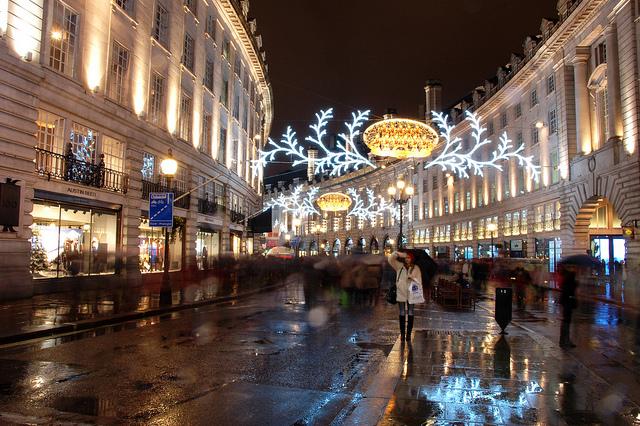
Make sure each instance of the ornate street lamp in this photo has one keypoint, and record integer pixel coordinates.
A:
(400, 194)
(168, 168)
(492, 227)
(400, 138)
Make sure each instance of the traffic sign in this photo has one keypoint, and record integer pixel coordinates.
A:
(161, 209)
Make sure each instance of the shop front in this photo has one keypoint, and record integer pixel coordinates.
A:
(73, 239)
(207, 247)
(236, 243)
(151, 244)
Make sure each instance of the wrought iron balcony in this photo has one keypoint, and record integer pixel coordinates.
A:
(68, 167)
(207, 206)
(147, 187)
(236, 217)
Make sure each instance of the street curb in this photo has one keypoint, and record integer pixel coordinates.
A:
(124, 317)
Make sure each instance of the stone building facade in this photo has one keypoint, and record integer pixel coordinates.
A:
(93, 95)
(571, 98)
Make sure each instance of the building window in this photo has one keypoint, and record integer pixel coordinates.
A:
(50, 136)
(186, 118)
(207, 122)
(148, 166)
(556, 216)
(533, 98)
(548, 217)
(467, 200)
(436, 209)
(113, 151)
(456, 202)
(71, 240)
(224, 91)
(236, 107)
(237, 65)
(551, 83)
(535, 135)
(538, 224)
(126, 5)
(445, 203)
(222, 146)
(503, 119)
(553, 122)
(62, 41)
(210, 27)
(522, 178)
(188, 52)
(434, 182)
(118, 73)
(84, 142)
(600, 54)
(226, 49)
(208, 75)
(555, 172)
(519, 139)
(518, 110)
(192, 6)
(506, 187)
(523, 222)
(515, 224)
(161, 24)
(506, 225)
(156, 99)
(490, 129)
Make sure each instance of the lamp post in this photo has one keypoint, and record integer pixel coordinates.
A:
(492, 227)
(400, 194)
(317, 229)
(168, 168)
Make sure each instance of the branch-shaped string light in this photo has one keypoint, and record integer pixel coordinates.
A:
(452, 156)
(345, 158)
(461, 163)
(375, 206)
(295, 202)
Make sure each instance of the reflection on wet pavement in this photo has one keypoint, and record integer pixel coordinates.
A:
(479, 377)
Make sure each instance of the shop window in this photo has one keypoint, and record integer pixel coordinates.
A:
(523, 222)
(72, 241)
(151, 244)
(63, 37)
(207, 248)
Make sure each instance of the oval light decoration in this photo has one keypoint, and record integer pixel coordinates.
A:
(400, 138)
(334, 202)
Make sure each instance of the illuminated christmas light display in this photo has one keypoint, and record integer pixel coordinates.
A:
(375, 205)
(452, 156)
(296, 203)
(345, 158)
(400, 138)
(334, 202)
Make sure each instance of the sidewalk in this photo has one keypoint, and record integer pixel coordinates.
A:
(59, 313)
(459, 370)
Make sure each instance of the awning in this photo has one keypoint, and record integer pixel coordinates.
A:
(261, 222)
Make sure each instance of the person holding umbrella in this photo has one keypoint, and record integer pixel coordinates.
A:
(406, 273)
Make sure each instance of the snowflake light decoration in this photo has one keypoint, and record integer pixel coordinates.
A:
(345, 158)
(295, 202)
(452, 156)
(374, 206)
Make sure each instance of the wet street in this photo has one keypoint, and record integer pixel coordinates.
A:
(305, 354)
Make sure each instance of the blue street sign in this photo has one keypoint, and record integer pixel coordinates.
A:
(161, 209)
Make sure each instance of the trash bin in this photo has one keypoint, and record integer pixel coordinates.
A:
(503, 307)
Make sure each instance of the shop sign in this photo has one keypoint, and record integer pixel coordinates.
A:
(516, 245)
(82, 192)
(9, 205)
(161, 209)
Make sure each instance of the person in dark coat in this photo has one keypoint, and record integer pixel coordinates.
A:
(568, 301)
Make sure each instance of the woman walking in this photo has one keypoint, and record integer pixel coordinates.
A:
(406, 272)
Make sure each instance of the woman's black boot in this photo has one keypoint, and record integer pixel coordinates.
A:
(409, 328)
(401, 317)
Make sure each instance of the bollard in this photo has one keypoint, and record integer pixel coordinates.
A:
(503, 307)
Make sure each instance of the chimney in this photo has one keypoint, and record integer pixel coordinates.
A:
(433, 98)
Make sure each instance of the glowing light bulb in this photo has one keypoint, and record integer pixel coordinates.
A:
(56, 35)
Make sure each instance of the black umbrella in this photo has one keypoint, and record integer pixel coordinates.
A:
(428, 267)
(583, 260)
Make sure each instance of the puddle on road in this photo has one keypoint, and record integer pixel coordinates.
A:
(86, 405)
(386, 349)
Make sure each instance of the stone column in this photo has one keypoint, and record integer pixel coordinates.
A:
(614, 115)
(583, 119)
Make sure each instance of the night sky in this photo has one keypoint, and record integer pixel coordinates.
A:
(375, 54)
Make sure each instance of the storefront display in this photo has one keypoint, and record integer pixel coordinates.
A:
(70, 240)
(207, 248)
(152, 247)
